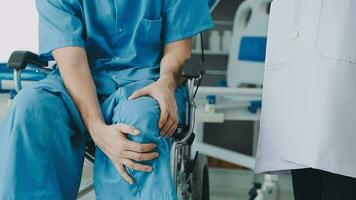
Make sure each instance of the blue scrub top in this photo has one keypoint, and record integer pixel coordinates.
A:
(124, 38)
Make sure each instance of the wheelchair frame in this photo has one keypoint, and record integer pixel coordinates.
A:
(186, 173)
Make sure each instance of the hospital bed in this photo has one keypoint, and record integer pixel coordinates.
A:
(241, 100)
(189, 174)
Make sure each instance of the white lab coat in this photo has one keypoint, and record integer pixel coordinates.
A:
(309, 99)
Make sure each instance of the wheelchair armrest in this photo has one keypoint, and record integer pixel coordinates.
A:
(192, 69)
(21, 59)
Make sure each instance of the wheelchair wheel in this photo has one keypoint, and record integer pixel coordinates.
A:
(200, 178)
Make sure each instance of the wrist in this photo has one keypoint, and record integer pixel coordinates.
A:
(94, 126)
(171, 79)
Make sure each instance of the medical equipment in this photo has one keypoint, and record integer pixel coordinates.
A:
(247, 55)
(241, 100)
(259, 195)
(226, 40)
(197, 43)
(270, 189)
(242, 103)
(211, 105)
(214, 41)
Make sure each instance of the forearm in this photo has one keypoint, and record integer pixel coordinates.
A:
(75, 71)
(175, 54)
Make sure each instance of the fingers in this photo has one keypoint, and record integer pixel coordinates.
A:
(140, 148)
(166, 126)
(173, 128)
(163, 117)
(121, 169)
(139, 93)
(170, 127)
(140, 156)
(137, 147)
(171, 123)
(124, 128)
(136, 166)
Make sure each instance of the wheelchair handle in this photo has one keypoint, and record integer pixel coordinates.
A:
(19, 60)
(192, 69)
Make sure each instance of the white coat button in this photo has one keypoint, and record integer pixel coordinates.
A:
(116, 58)
(295, 34)
(120, 30)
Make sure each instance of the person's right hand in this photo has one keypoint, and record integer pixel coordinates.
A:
(113, 141)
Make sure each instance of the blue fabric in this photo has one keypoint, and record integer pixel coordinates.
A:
(120, 36)
(120, 33)
(42, 145)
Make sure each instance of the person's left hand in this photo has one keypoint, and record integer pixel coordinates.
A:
(163, 90)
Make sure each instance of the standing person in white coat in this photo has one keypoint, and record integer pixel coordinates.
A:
(308, 122)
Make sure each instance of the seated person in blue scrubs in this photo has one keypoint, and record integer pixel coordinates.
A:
(118, 83)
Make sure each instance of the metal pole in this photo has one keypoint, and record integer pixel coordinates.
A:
(17, 80)
(86, 189)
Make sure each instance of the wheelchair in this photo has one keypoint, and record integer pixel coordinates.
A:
(190, 175)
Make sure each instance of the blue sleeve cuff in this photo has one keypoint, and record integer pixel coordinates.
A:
(47, 47)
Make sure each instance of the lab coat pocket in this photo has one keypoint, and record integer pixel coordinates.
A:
(337, 31)
(149, 42)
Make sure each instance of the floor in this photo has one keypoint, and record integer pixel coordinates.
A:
(225, 184)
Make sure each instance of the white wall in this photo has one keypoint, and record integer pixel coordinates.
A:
(18, 27)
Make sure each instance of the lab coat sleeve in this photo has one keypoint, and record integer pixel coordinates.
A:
(185, 18)
(60, 25)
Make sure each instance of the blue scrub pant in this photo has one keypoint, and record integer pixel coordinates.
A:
(42, 145)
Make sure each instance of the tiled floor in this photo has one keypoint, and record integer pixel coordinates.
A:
(224, 184)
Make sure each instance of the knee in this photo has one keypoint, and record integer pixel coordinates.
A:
(142, 109)
(143, 114)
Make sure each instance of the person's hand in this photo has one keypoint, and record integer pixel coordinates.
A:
(163, 90)
(113, 141)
